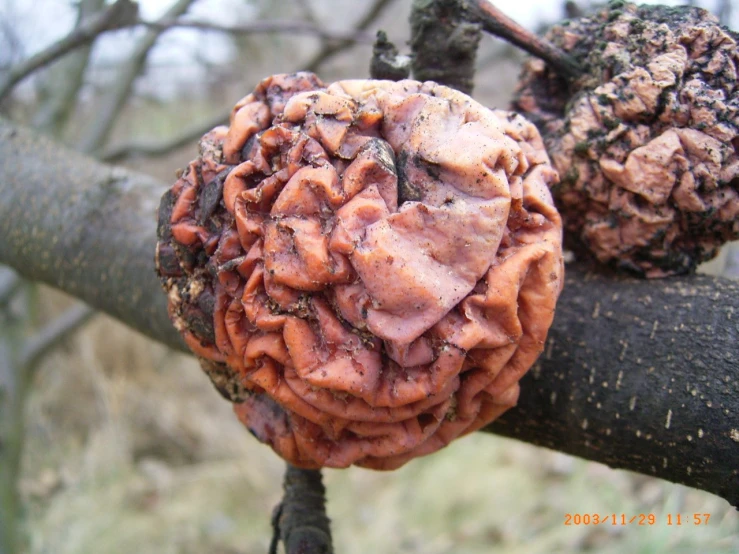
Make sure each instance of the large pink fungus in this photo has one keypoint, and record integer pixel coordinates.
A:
(647, 140)
(367, 268)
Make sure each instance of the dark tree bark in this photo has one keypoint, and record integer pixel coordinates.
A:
(299, 521)
(83, 227)
(444, 41)
(637, 374)
(640, 375)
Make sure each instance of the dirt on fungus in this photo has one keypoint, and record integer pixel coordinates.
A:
(647, 140)
(367, 268)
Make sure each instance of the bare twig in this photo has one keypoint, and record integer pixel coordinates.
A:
(52, 334)
(153, 149)
(299, 520)
(497, 23)
(346, 39)
(118, 15)
(265, 26)
(95, 137)
(66, 78)
(329, 50)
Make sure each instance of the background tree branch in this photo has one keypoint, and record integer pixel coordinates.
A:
(120, 14)
(639, 375)
(65, 78)
(95, 137)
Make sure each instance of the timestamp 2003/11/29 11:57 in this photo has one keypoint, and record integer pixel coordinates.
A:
(636, 519)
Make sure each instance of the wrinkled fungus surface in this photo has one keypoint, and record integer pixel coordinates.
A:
(647, 141)
(367, 268)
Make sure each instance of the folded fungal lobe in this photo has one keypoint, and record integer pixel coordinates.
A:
(367, 268)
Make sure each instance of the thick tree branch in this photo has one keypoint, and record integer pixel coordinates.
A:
(85, 228)
(444, 40)
(640, 375)
(661, 355)
(120, 14)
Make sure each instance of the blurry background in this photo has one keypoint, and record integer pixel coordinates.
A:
(126, 445)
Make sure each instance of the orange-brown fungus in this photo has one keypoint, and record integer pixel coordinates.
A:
(647, 141)
(367, 268)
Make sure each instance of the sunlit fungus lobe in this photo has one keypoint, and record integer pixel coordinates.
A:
(647, 140)
(367, 268)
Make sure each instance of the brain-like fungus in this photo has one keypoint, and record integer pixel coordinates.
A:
(367, 268)
(647, 140)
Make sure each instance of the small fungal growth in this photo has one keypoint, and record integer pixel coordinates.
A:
(366, 269)
(646, 141)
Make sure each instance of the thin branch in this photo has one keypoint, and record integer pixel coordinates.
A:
(65, 78)
(497, 23)
(118, 15)
(329, 50)
(152, 149)
(95, 137)
(345, 39)
(49, 337)
(299, 521)
(265, 26)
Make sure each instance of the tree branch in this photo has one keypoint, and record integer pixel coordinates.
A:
(497, 23)
(329, 50)
(161, 148)
(19, 359)
(640, 375)
(345, 39)
(264, 26)
(49, 337)
(299, 521)
(118, 15)
(65, 78)
(92, 234)
(386, 62)
(444, 40)
(95, 137)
